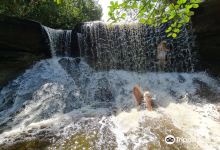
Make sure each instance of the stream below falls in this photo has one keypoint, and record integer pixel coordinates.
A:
(62, 103)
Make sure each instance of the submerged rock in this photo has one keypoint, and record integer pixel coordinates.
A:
(32, 144)
(204, 91)
(104, 92)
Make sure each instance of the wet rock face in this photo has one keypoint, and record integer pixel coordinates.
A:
(206, 92)
(104, 92)
(71, 66)
(21, 43)
(206, 24)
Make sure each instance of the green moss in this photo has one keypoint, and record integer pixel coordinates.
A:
(81, 140)
(35, 144)
(163, 127)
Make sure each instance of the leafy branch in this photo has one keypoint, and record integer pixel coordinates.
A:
(155, 12)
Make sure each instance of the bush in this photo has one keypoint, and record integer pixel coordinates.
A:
(66, 14)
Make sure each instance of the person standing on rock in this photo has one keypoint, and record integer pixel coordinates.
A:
(161, 55)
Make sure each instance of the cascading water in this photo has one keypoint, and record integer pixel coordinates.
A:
(60, 41)
(134, 47)
(70, 105)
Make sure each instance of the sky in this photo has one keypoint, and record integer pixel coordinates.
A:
(105, 4)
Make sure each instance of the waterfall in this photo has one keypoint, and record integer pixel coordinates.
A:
(134, 47)
(126, 46)
(88, 103)
(59, 41)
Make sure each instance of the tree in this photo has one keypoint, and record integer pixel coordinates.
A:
(53, 13)
(155, 12)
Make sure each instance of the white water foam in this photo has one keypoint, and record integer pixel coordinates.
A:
(62, 97)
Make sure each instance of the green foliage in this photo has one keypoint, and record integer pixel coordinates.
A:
(57, 1)
(155, 12)
(53, 13)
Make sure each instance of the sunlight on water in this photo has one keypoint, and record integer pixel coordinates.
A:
(68, 104)
(133, 46)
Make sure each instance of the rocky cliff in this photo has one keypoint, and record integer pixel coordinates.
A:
(206, 23)
(22, 42)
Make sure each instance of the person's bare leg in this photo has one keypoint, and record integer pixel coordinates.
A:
(138, 94)
(148, 100)
(162, 65)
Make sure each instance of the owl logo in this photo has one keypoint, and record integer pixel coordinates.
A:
(170, 139)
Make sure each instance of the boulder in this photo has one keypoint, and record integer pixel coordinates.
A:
(22, 42)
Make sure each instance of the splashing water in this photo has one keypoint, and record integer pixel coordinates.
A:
(59, 40)
(134, 47)
(67, 102)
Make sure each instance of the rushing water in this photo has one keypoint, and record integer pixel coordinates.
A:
(134, 47)
(70, 105)
(60, 41)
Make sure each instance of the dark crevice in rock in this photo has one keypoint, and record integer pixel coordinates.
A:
(206, 24)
